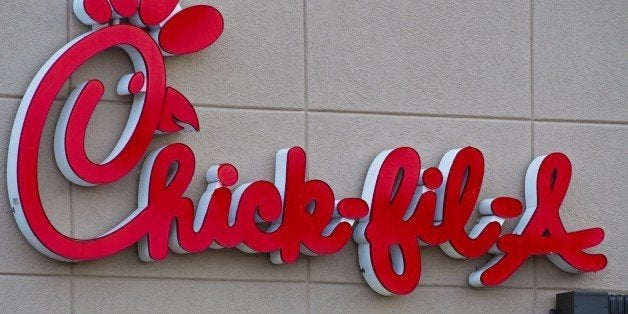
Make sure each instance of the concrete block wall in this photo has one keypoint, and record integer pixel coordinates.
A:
(346, 80)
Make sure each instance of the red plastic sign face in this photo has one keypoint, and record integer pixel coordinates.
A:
(402, 206)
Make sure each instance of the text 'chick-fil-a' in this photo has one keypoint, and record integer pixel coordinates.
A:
(403, 205)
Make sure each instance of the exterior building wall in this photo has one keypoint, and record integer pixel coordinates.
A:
(345, 80)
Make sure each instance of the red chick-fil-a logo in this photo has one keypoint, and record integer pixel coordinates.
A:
(403, 206)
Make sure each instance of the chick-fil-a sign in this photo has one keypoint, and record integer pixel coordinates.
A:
(403, 205)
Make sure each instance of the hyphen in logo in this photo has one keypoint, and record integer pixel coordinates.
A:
(402, 206)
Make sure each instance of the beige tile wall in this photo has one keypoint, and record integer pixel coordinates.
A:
(345, 79)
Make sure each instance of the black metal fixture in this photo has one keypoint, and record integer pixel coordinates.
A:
(587, 302)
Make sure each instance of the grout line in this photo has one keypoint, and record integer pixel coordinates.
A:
(72, 295)
(307, 284)
(326, 282)
(72, 232)
(19, 97)
(532, 142)
(72, 229)
(468, 117)
(306, 125)
(127, 277)
(593, 122)
(68, 39)
(191, 279)
(68, 30)
(87, 276)
(323, 282)
(532, 104)
(305, 59)
(246, 107)
(414, 114)
(375, 113)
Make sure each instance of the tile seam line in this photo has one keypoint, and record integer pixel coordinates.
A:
(423, 285)
(591, 122)
(19, 97)
(67, 276)
(385, 114)
(75, 276)
(106, 277)
(306, 133)
(417, 115)
(532, 142)
(471, 117)
(72, 228)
